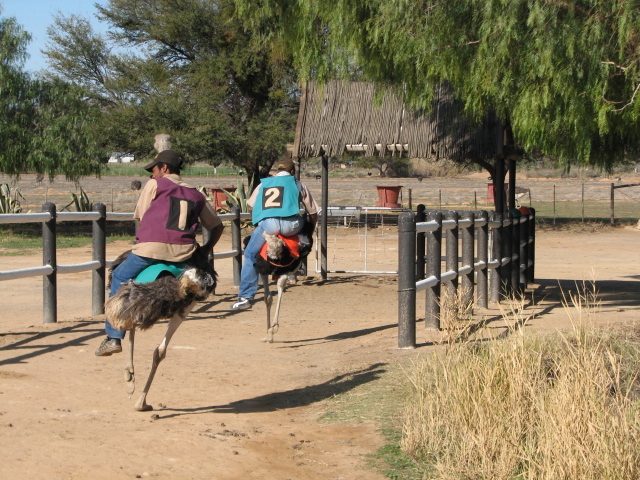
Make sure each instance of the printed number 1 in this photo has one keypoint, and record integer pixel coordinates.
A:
(273, 197)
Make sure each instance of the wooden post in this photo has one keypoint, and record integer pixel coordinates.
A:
(512, 184)
(451, 249)
(507, 253)
(612, 203)
(324, 219)
(468, 244)
(583, 203)
(420, 245)
(236, 244)
(406, 280)
(496, 255)
(483, 257)
(434, 268)
(554, 204)
(524, 252)
(50, 282)
(99, 253)
(515, 252)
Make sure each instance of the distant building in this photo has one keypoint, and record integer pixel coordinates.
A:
(121, 157)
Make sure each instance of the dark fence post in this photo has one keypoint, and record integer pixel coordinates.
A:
(496, 255)
(451, 250)
(468, 236)
(434, 268)
(236, 244)
(482, 276)
(406, 280)
(507, 253)
(99, 253)
(515, 253)
(524, 252)
(612, 201)
(49, 291)
(420, 245)
(531, 275)
(325, 217)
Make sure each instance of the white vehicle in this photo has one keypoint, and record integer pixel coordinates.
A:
(121, 157)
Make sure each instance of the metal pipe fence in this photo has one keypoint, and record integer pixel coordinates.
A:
(99, 216)
(508, 270)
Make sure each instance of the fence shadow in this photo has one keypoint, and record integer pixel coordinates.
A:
(622, 294)
(24, 344)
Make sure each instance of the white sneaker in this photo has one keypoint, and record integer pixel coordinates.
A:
(242, 304)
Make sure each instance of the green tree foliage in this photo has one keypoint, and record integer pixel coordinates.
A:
(563, 74)
(188, 70)
(45, 126)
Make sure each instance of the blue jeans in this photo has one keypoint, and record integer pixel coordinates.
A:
(130, 268)
(286, 227)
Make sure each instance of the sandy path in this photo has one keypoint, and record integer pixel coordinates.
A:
(228, 405)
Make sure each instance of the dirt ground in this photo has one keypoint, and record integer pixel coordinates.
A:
(228, 406)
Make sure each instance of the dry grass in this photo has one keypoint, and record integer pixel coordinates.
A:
(531, 406)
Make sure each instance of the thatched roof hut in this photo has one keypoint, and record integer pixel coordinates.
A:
(341, 117)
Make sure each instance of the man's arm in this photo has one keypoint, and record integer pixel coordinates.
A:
(313, 218)
(214, 235)
(146, 197)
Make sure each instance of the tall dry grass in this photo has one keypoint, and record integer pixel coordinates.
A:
(530, 406)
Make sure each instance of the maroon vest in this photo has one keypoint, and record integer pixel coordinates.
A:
(173, 214)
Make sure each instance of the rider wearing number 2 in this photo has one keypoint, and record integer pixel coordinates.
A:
(279, 206)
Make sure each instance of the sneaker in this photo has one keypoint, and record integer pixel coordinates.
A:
(109, 346)
(242, 304)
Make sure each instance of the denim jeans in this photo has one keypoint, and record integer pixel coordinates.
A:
(124, 272)
(286, 227)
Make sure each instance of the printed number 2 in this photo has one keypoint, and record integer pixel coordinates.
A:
(273, 197)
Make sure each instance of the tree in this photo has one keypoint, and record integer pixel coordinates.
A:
(45, 127)
(190, 71)
(386, 166)
(564, 77)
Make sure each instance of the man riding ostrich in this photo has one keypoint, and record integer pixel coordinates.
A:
(170, 212)
(281, 206)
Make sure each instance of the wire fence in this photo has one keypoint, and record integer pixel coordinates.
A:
(554, 199)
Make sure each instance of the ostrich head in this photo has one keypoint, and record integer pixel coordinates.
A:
(275, 246)
(197, 283)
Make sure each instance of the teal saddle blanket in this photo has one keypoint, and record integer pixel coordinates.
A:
(152, 272)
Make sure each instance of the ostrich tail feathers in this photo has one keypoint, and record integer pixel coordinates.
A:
(144, 304)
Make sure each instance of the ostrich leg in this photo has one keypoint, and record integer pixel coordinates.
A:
(273, 328)
(158, 355)
(129, 375)
(268, 301)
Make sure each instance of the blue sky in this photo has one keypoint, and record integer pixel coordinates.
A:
(36, 15)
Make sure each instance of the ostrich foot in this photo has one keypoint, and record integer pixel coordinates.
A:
(270, 333)
(142, 405)
(130, 379)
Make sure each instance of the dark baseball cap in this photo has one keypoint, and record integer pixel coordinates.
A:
(285, 164)
(166, 156)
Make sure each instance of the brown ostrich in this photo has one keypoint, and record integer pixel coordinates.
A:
(280, 258)
(141, 305)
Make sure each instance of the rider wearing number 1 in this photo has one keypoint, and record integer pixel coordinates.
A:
(280, 205)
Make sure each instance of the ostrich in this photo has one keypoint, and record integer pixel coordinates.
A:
(141, 305)
(280, 257)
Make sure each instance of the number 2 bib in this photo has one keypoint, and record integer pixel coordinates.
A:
(278, 197)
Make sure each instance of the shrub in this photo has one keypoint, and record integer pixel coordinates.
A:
(532, 406)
